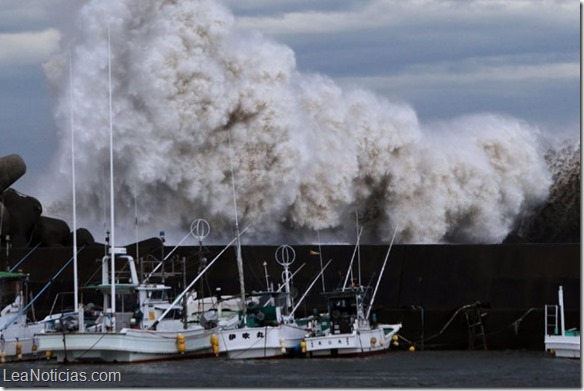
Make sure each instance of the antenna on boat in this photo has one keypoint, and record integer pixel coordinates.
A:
(75, 270)
(290, 279)
(104, 197)
(350, 270)
(112, 215)
(285, 256)
(358, 248)
(238, 242)
(136, 225)
(561, 305)
(380, 275)
(200, 229)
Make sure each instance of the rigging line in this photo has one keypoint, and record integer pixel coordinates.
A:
(350, 271)
(450, 320)
(320, 257)
(31, 237)
(26, 256)
(92, 346)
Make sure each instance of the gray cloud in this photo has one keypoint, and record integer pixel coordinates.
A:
(445, 57)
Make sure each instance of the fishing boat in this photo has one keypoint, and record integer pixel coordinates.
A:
(148, 328)
(560, 342)
(17, 341)
(267, 326)
(348, 329)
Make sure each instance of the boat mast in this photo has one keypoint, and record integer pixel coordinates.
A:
(136, 226)
(358, 249)
(285, 256)
(111, 135)
(238, 242)
(561, 303)
(75, 271)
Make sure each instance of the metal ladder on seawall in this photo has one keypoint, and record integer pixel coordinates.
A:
(551, 319)
(476, 329)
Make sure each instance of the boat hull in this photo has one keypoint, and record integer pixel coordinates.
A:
(28, 350)
(357, 343)
(26, 341)
(129, 345)
(563, 345)
(261, 342)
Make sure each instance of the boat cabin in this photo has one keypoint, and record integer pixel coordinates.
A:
(265, 309)
(345, 307)
(12, 298)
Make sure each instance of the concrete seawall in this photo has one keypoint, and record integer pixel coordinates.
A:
(512, 283)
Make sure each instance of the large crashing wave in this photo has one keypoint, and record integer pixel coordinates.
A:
(192, 94)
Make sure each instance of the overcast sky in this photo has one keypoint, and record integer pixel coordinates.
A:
(445, 58)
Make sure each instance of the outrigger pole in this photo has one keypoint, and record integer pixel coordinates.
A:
(380, 275)
(23, 258)
(350, 271)
(310, 287)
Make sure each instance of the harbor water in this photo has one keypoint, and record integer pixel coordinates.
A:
(401, 369)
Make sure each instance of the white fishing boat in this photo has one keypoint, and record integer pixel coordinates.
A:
(348, 329)
(17, 340)
(348, 333)
(153, 329)
(267, 332)
(267, 325)
(560, 342)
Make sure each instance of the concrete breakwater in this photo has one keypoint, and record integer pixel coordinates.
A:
(424, 286)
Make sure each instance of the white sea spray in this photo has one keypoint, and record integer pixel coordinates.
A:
(306, 153)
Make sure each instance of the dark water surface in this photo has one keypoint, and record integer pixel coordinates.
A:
(468, 369)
